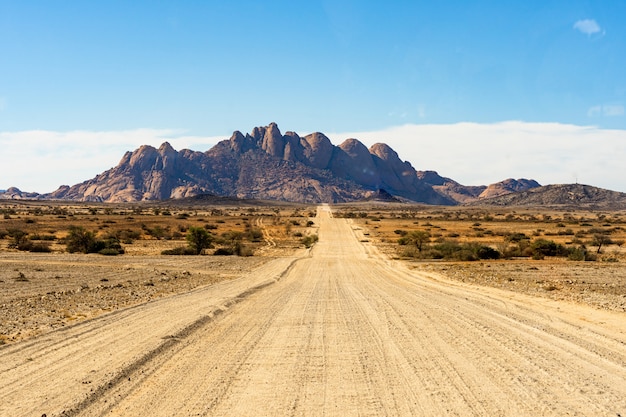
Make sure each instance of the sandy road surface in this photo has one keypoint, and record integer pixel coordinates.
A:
(341, 332)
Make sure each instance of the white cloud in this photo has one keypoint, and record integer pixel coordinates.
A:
(41, 161)
(480, 154)
(587, 26)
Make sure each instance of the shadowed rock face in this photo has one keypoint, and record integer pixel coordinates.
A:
(266, 164)
(352, 160)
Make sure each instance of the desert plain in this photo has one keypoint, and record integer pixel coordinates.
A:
(355, 324)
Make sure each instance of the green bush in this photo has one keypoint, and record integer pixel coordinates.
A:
(85, 241)
(543, 247)
(453, 251)
(81, 240)
(199, 239)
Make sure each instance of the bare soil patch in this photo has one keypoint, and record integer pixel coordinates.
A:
(40, 292)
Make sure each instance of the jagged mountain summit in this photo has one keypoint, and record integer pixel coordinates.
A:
(266, 164)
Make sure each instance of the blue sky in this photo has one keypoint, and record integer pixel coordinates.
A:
(85, 81)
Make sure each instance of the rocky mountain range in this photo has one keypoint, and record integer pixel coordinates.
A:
(266, 164)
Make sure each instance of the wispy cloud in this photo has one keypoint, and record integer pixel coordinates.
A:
(41, 161)
(606, 110)
(588, 27)
(480, 154)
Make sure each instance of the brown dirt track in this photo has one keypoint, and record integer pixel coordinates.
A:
(339, 330)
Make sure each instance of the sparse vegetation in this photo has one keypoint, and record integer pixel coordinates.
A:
(309, 240)
(84, 241)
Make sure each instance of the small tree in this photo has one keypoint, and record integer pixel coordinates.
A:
(600, 239)
(199, 239)
(416, 237)
(81, 240)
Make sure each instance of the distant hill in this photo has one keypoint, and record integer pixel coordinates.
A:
(266, 164)
(565, 195)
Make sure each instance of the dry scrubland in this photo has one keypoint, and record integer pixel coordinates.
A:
(41, 291)
(51, 288)
(340, 329)
(599, 281)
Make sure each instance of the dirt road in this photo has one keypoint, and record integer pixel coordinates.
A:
(339, 331)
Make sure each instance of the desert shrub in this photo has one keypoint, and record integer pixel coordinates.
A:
(487, 252)
(224, 252)
(543, 247)
(84, 241)
(110, 246)
(109, 252)
(400, 232)
(158, 233)
(577, 254)
(412, 252)
(254, 235)
(599, 231)
(3, 234)
(515, 237)
(37, 236)
(129, 235)
(453, 251)
(81, 240)
(231, 236)
(309, 240)
(182, 250)
(19, 240)
(236, 249)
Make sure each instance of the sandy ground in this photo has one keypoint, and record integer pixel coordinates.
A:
(335, 331)
(42, 292)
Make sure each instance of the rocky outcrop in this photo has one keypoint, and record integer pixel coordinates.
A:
(14, 193)
(508, 186)
(265, 164)
(561, 195)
